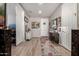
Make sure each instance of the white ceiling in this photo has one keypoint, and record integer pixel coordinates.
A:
(33, 8)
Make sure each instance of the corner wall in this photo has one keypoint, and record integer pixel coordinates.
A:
(67, 12)
(69, 22)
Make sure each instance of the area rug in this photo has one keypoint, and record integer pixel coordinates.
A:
(47, 48)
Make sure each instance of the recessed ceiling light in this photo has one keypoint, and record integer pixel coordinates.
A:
(39, 11)
(40, 3)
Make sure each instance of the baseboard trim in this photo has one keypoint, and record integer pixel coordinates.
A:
(65, 48)
(19, 43)
(44, 37)
(35, 37)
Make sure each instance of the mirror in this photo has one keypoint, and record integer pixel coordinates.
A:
(55, 24)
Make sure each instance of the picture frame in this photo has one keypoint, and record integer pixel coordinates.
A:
(26, 19)
(2, 15)
(35, 25)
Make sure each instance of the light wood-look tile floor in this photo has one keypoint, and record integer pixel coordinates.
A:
(28, 48)
(61, 50)
(33, 48)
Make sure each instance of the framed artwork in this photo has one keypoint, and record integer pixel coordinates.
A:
(1, 21)
(26, 19)
(35, 25)
(59, 24)
(2, 15)
(55, 24)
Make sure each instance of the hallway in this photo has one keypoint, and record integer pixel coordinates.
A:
(35, 20)
(39, 47)
(47, 29)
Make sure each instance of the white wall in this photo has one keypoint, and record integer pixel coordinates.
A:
(57, 12)
(44, 27)
(15, 15)
(43, 30)
(10, 14)
(68, 22)
(20, 33)
(35, 32)
(78, 15)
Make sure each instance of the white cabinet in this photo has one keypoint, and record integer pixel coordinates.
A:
(28, 35)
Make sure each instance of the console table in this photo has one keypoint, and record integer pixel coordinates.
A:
(54, 36)
(5, 42)
(75, 43)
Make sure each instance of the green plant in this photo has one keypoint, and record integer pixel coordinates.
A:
(1, 11)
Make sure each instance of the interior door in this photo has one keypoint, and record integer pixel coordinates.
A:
(44, 27)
